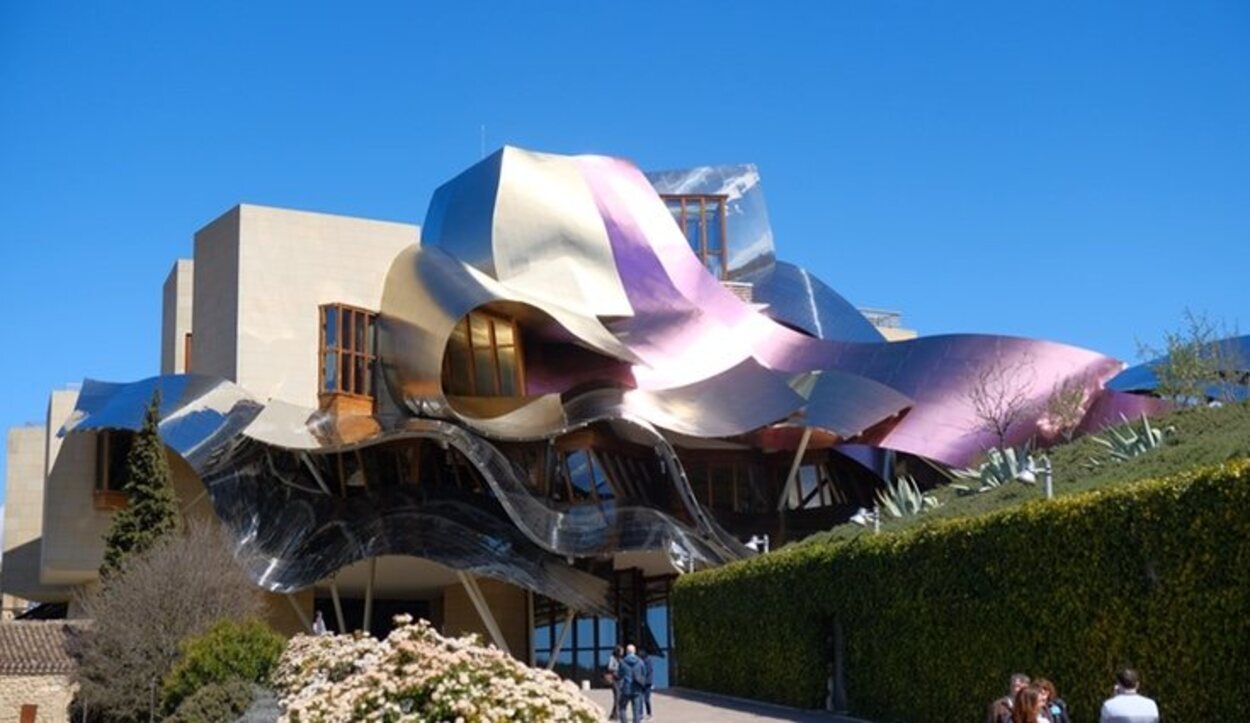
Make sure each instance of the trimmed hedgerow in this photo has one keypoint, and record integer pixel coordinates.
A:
(1155, 575)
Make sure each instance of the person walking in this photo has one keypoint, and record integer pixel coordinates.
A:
(1000, 710)
(646, 688)
(1127, 705)
(613, 677)
(633, 674)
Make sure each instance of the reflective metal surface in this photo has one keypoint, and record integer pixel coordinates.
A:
(628, 337)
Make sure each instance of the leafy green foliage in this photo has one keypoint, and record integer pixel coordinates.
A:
(152, 509)
(229, 650)
(904, 499)
(214, 703)
(1151, 575)
(1195, 363)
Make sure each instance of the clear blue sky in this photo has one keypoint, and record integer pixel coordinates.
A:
(1068, 170)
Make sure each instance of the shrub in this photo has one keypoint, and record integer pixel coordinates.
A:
(178, 588)
(215, 703)
(246, 651)
(1152, 575)
(417, 674)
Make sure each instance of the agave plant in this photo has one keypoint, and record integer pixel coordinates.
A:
(904, 499)
(1000, 467)
(1132, 442)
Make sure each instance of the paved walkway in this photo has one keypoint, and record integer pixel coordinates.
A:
(678, 705)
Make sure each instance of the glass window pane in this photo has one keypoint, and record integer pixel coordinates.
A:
(542, 637)
(674, 207)
(331, 323)
(585, 666)
(458, 379)
(602, 485)
(480, 327)
(508, 371)
(693, 218)
(503, 332)
(607, 632)
(714, 228)
(585, 630)
(358, 326)
(371, 323)
(722, 486)
(657, 623)
(330, 372)
(360, 378)
(579, 473)
(660, 667)
(484, 369)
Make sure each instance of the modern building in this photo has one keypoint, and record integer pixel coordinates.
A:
(574, 383)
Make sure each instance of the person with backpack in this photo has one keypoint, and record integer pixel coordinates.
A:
(634, 682)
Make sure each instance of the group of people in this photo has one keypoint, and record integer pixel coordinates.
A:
(631, 677)
(1037, 701)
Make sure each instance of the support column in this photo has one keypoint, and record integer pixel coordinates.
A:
(373, 567)
(483, 610)
(338, 605)
(299, 612)
(792, 479)
(564, 634)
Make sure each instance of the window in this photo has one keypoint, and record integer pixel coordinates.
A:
(186, 353)
(484, 358)
(702, 220)
(347, 350)
(111, 450)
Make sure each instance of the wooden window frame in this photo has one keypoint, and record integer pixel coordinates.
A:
(701, 202)
(345, 351)
(491, 319)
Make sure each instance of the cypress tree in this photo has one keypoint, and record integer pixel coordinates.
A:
(152, 509)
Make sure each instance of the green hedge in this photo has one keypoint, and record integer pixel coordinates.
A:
(1154, 574)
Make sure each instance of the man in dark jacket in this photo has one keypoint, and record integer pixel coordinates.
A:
(1000, 710)
(633, 673)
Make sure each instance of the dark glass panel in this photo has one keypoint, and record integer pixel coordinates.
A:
(331, 324)
(508, 371)
(360, 377)
(484, 372)
(607, 633)
(714, 265)
(358, 326)
(602, 485)
(479, 325)
(542, 637)
(503, 332)
(722, 481)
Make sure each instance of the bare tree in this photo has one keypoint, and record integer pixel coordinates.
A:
(1065, 407)
(1001, 396)
(177, 588)
(1197, 362)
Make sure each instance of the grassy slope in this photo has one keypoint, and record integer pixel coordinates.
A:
(1203, 437)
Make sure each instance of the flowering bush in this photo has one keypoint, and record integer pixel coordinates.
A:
(418, 676)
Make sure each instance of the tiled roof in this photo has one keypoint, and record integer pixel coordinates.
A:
(37, 647)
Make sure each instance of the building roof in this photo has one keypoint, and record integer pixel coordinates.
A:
(37, 647)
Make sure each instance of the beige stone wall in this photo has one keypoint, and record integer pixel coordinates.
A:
(176, 300)
(506, 602)
(51, 693)
(73, 530)
(215, 299)
(23, 511)
(291, 262)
